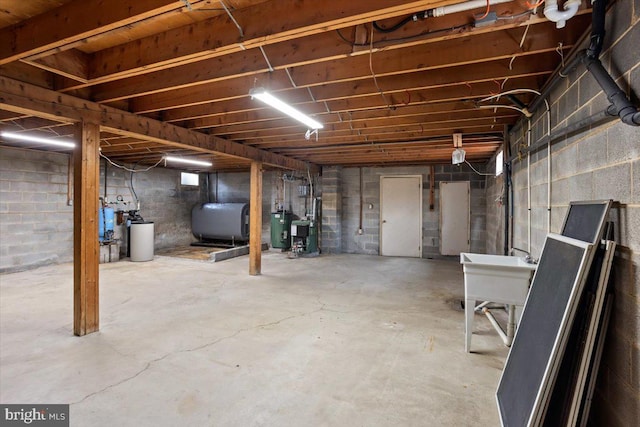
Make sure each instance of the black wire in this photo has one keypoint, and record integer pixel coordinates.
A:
(457, 27)
(396, 27)
(345, 39)
(133, 189)
(399, 39)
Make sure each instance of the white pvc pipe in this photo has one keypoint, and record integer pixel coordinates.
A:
(560, 17)
(529, 188)
(505, 339)
(461, 7)
(548, 167)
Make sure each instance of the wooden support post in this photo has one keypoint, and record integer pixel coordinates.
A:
(255, 220)
(86, 159)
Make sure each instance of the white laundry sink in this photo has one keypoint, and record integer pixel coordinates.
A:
(496, 278)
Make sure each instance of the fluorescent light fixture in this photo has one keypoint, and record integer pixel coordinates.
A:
(187, 161)
(457, 156)
(38, 139)
(264, 96)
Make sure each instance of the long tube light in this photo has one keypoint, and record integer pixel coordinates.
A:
(264, 96)
(187, 161)
(38, 139)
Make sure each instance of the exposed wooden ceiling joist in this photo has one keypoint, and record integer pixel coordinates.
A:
(66, 26)
(163, 77)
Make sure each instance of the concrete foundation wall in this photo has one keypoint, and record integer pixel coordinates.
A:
(599, 163)
(162, 198)
(36, 223)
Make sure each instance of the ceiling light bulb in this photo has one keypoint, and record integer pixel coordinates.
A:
(264, 96)
(457, 156)
(38, 139)
(187, 161)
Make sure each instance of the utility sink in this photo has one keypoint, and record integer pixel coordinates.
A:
(496, 278)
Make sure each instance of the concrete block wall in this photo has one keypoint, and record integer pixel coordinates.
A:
(36, 223)
(495, 188)
(598, 163)
(344, 207)
(162, 198)
(331, 237)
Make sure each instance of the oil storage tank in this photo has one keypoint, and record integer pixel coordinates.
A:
(220, 221)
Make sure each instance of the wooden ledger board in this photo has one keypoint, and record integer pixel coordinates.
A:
(534, 356)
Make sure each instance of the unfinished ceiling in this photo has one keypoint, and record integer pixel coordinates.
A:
(388, 88)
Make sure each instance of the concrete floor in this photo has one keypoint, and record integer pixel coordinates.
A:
(346, 340)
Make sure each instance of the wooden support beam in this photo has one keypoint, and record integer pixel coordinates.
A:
(255, 220)
(29, 99)
(86, 159)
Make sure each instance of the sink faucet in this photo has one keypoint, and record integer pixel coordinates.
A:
(528, 258)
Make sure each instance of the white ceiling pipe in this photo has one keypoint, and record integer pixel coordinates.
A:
(560, 17)
(461, 7)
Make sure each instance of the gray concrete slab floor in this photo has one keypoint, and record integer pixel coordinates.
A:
(344, 340)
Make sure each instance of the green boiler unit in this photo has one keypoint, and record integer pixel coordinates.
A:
(280, 226)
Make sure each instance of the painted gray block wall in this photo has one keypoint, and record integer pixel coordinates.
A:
(36, 223)
(600, 163)
(331, 237)
(348, 188)
(495, 218)
(162, 198)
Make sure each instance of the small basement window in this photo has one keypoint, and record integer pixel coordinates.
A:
(190, 179)
(499, 163)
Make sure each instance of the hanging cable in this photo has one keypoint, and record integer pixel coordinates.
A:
(560, 52)
(486, 13)
(397, 26)
(474, 169)
(533, 6)
(510, 92)
(131, 170)
(511, 107)
(375, 80)
(524, 36)
(133, 190)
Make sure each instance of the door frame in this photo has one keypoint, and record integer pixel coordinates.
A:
(420, 178)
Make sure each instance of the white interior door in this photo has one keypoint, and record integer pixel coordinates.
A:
(454, 217)
(401, 215)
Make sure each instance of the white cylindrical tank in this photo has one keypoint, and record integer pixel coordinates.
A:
(141, 241)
